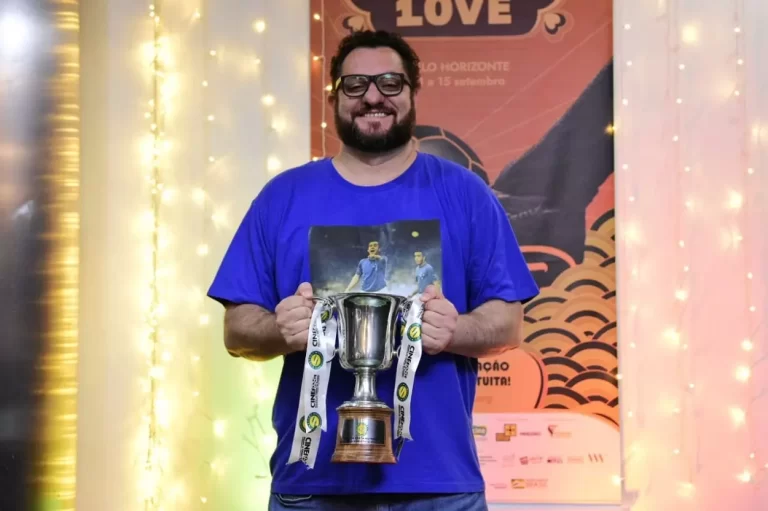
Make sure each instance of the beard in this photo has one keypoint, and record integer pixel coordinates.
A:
(396, 136)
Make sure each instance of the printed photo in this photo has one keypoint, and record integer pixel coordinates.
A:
(400, 258)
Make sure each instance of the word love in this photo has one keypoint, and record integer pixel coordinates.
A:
(441, 12)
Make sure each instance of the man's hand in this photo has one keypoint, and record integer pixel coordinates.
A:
(293, 315)
(439, 321)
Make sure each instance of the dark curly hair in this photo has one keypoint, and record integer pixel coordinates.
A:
(378, 39)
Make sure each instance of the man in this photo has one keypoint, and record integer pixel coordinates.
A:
(372, 269)
(264, 284)
(425, 273)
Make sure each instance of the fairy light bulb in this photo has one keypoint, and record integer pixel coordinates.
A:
(743, 373)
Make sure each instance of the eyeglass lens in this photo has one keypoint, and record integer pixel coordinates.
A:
(357, 85)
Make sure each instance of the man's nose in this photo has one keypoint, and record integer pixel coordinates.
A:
(372, 95)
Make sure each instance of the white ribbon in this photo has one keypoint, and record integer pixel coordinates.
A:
(407, 362)
(311, 417)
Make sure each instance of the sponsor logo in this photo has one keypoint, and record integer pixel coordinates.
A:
(311, 423)
(555, 460)
(596, 458)
(414, 333)
(531, 460)
(576, 459)
(361, 429)
(556, 432)
(523, 484)
(479, 430)
(510, 430)
(407, 362)
(325, 316)
(403, 391)
(315, 360)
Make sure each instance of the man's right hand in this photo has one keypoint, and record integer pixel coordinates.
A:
(293, 315)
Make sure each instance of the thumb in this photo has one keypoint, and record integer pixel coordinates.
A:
(429, 293)
(305, 290)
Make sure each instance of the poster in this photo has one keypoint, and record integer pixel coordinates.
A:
(521, 93)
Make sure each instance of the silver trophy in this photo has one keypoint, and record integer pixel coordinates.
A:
(367, 332)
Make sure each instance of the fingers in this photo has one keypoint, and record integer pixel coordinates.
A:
(305, 290)
(431, 292)
(298, 330)
(428, 331)
(440, 307)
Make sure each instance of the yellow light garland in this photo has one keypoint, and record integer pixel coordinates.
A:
(56, 466)
(155, 459)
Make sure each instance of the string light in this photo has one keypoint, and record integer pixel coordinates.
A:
(156, 456)
(740, 202)
(55, 472)
(321, 70)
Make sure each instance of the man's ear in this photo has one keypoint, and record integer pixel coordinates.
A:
(331, 99)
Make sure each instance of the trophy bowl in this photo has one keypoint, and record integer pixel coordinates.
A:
(366, 344)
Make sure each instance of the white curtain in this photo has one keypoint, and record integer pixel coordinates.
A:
(691, 132)
(235, 88)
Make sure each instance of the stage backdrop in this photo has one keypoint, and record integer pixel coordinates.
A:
(520, 92)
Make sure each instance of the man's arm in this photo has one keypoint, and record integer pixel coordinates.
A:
(251, 332)
(489, 330)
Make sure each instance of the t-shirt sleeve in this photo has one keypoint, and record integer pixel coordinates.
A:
(246, 273)
(497, 267)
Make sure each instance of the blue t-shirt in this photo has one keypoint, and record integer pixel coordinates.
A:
(481, 260)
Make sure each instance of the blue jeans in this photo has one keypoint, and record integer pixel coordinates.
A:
(379, 502)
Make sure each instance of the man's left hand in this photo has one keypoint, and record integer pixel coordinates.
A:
(439, 321)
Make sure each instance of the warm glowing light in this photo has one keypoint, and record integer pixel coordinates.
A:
(316, 17)
(686, 490)
(273, 164)
(268, 100)
(681, 295)
(690, 34)
(743, 373)
(259, 26)
(202, 250)
(672, 336)
(738, 416)
(747, 345)
(745, 476)
(204, 319)
(219, 428)
(54, 474)
(279, 124)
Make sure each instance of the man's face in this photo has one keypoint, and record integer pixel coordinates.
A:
(419, 258)
(374, 122)
(373, 248)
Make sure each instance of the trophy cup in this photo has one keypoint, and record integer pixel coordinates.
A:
(366, 325)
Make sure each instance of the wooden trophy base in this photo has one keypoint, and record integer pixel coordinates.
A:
(364, 435)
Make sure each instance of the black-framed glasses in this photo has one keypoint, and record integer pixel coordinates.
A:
(355, 86)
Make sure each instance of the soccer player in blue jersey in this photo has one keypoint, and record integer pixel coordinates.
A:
(425, 273)
(264, 283)
(371, 271)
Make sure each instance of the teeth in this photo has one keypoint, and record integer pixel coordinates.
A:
(375, 114)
